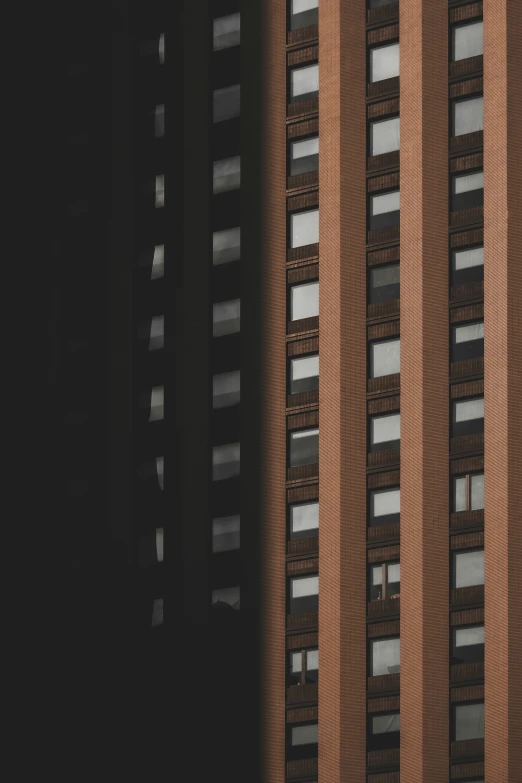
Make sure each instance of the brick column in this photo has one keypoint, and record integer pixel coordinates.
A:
(424, 391)
(502, 385)
(342, 391)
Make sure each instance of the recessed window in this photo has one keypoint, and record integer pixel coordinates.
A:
(304, 592)
(304, 666)
(385, 432)
(467, 191)
(468, 568)
(385, 506)
(226, 246)
(159, 544)
(156, 403)
(226, 317)
(385, 581)
(378, 3)
(304, 83)
(385, 358)
(468, 492)
(468, 644)
(303, 13)
(467, 265)
(304, 447)
(227, 174)
(468, 721)
(304, 228)
(159, 471)
(225, 461)
(305, 735)
(304, 156)
(385, 136)
(468, 416)
(384, 283)
(467, 341)
(227, 103)
(385, 210)
(468, 40)
(225, 534)
(226, 389)
(161, 48)
(304, 520)
(157, 333)
(227, 31)
(159, 121)
(158, 262)
(468, 116)
(160, 190)
(226, 595)
(304, 301)
(384, 62)
(304, 373)
(385, 656)
(157, 612)
(384, 731)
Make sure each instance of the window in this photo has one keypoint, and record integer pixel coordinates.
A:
(159, 121)
(385, 581)
(225, 534)
(467, 265)
(468, 644)
(305, 735)
(159, 544)
(467, 341)
(304, 373)
(385, 432)
(156, 403)
(384, 62)
(468, 568)
(157, 334)
(304, 447)
(467, 191)
(304, 83)
(157, 612)
(384, 283)
(385, 656)
(227, 103)
(304, 156)
(304, 520)
(161, 48)
(226, 595)
(468, 40)
(385, 209)
(227, 31)
(385, 506)
(384, 731)
(468, 416)
(468, 116)
(304, 301)
(304, 666)
(468, 721)
(159, 471)
(385, 358)
(304, 592)
(385, 136)
(303, 13)
(158, 266)
(304, 228)
(226, 317)
(225, 461)
(468, 492)
(227, 174)
(226, 246)
(226, 389)
(160, 190)
(378, 3)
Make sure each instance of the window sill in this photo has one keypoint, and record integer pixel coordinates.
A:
(301, 768)
(384, 758)
(461, 672)
(301, 620)
(385, 683)
(467, 367)
(465, 748)
(297, 694)
(384, 608)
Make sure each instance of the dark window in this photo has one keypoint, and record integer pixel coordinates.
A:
(225, 534)
(385, 136)
(226, 596)
(303, 13)
(468, 644)
(385, 358)
(304, 373)
(468, 721)
(304, 155)
(226, 317)
(385, 209)
(227, 31)
(468, 568)
(385, 656)
(467, 265)
(385, 581)
(384, 62)
(384, 731)
(467, 341)
(467, 191)
(467, 41)
(304, 520)
(304, 594)
(385, 432)
(468, 416)
(385, 506)
(304, 447)
(468, 492)
(304, 83)
(384, 283)
(468, 116)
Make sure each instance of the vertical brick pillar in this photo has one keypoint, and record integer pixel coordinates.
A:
(273, 393)
(342, 391)
(424, 391)
(502, 385)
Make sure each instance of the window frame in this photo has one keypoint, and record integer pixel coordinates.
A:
(385, 581)
(467, 275)
(370, 49)
(392, 116)
(454, 555)
(303, 676)
(453, 103)
(453, 28)
(387, 224)
(370, 358)
(289, 445)
(454, 717)
(371, 516)
(455, 660)
(371, 642)
(289, 71)
(468, 201)
(369, 287)
(289, 222)
(291, 359)
(469, 426)
(310, 601)
(290, 288)
(468, 477)
(382, 740)
(475, 348)
(312, 532)
(290, 15)
(373, 448)
(290, 142)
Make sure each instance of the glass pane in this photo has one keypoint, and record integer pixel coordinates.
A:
(305, 228)
(469, 568)
(225, 533)
(376, 575)
(157, 612)
(159, 544)
(464, 259)
(468, 116)
(468, 41)
(226, 317)
(159, 121)
(227, 174)
(386, 428)
(386, 202)
(156, 333)
(467, 636)
(160, 190)
(394, 572)
(159, 471)
(312, 660)
(225, 461)
(227, 31)
(301, 149)
(296, 663)
(304, 585)
(304, 517)
(460, 495)
(469, 409)
(468, 182)
(226, 246)
(298, 6)
(385, 275)
(477, 491)
(386, 358)
(304, 735)
(304, 374)
(226, 389)
(384, 62)
(386, 657)
(304, 448)
(227, 103)
(464, 334)
(156, 403)
(304, 301)
(385, 136)
(226, 595)
(158, 262)
(161, 48)
(386, 501)
(469, 721)
(384, 724)
(304, 81)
